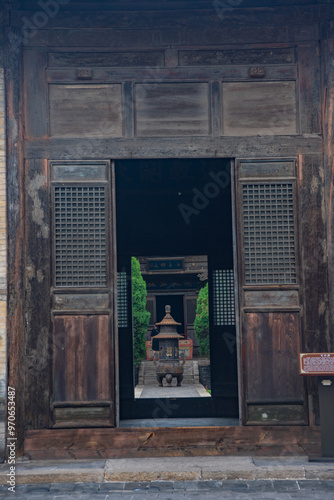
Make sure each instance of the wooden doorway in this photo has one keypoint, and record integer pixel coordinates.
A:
(179, 207)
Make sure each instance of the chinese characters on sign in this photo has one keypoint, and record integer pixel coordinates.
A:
(316, 364)
(165, 265)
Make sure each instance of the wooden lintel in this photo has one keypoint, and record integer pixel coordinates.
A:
(176, 441)
(185, 147)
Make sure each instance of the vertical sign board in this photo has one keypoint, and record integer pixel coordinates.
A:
(322, 366)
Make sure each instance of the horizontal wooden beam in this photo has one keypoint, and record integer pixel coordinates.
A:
(160, 75)
(213, 16)
(151, 38)
(175, 441)
(132, 5)
(198, 147)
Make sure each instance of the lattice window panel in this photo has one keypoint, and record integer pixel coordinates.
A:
(80, 236)
(122, 299)
(223, 297)
(269, 233)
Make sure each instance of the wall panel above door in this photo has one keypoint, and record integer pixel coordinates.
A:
(259, 108)
(171, 109)
(85, 110)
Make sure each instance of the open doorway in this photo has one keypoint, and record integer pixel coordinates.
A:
(175, 208)
(181, 285)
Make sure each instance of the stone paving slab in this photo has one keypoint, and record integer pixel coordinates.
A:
(150, 470)
(232, 490)
(152, 392)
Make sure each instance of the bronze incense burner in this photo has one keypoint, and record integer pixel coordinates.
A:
(167, 361)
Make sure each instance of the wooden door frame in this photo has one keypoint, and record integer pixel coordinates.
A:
(233, 222)
(236, 265)
(113, 290)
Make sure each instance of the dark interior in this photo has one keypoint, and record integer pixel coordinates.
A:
(177, 207)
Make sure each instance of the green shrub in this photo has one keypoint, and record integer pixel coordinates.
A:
(201, 323)
(140, 316)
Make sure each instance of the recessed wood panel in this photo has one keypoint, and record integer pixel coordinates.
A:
(251, 56)
(77, 172)
(267, 169)
(275, 298)
(118, 59)
(81, 346)
(272, 357)
(85, 110)
(259, 108)
(82, 416)
(271, 414)
(35, 94)
(172, 109)
(81, 302)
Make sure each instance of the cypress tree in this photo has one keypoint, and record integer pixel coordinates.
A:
(140, 316)
(201, 323)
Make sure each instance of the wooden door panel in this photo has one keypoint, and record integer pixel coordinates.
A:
(81, 358)
(83, 280)
(271, 356)
(269, 292)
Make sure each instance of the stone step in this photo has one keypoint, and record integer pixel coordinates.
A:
(153, 381)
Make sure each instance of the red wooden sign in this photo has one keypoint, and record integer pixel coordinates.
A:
(316, 363)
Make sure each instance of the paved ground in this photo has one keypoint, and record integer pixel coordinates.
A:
(185, 391)
(174, 478)
(165, 490)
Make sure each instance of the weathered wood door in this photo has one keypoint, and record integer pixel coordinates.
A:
(270, 304)
(83, 262)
